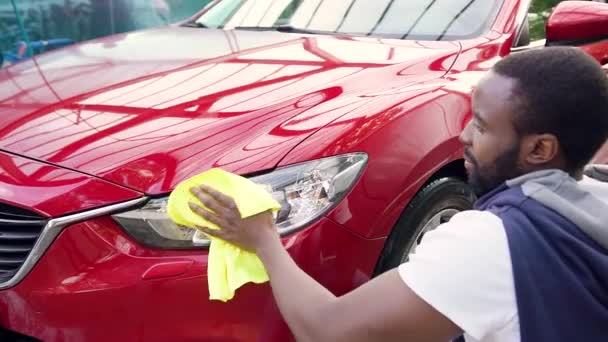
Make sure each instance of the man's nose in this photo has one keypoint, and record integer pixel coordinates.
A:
(465, 135)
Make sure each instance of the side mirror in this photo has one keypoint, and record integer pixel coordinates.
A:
(577, 23)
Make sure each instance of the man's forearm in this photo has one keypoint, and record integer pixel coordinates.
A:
(302, 301)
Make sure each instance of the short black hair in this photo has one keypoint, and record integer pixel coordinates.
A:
(560, 91)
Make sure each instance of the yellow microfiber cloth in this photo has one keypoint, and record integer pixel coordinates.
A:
(229, 267)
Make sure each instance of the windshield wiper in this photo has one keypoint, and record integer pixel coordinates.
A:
(195, 24)
(282, 28)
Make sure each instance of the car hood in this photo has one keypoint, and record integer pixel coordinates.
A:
(149, 109)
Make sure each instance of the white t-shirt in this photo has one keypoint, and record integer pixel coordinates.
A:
(463, 269)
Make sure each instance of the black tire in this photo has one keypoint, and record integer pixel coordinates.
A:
(439, 196)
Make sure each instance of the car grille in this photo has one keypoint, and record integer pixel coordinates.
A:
(19, 230)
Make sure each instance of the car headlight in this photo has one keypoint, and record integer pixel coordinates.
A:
(305, 191)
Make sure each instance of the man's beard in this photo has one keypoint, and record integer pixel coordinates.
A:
(485, 178)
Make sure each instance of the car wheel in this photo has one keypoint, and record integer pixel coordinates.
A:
(435, 204)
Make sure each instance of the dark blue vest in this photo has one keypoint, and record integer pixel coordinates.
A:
(560, 274)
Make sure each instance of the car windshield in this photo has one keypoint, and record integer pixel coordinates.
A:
(403, 19)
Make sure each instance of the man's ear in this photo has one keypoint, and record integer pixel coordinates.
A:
(539, 149)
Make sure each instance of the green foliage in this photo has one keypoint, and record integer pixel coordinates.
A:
(543, 5)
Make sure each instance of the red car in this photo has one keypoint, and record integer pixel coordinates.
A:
(349, 111)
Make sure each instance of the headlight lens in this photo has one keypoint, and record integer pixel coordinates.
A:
(305, 191)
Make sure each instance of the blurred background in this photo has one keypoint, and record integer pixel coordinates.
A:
(61, 22)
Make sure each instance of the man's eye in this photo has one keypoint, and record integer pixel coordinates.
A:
(478, 126)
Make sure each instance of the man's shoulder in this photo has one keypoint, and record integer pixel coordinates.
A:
(469, 234)
(475, 216)
(475, 221)
(455, 260)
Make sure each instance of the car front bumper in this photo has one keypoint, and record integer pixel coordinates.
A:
(94, 283)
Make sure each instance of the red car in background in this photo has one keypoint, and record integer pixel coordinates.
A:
(349, 111)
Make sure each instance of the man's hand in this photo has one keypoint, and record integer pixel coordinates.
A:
(312, 312)
(249, 233)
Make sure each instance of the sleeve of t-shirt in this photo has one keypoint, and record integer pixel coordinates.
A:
(463, 270)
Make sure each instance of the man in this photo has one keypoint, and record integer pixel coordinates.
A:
(529, 264)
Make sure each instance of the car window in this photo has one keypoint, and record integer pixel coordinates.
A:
(217, 15)
(404, 19)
